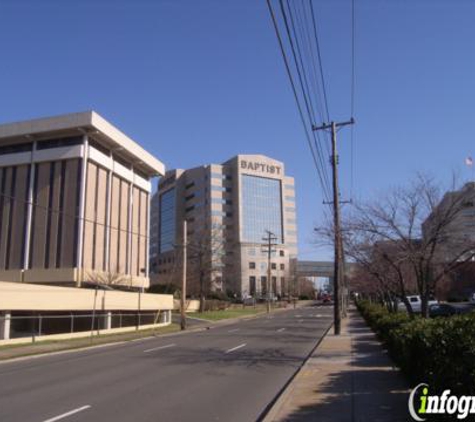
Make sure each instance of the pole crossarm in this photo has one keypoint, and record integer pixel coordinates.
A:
(326, 126)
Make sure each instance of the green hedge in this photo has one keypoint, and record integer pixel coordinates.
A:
(440, 352)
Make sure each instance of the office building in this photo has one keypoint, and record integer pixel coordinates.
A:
(74, 202)
(229, 209)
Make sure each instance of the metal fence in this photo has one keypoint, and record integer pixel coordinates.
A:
(33, 325)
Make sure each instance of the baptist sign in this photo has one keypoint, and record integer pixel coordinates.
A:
(262, 167)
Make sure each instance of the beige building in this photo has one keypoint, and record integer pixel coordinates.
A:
(228, 208)
(452, 224)
(74, 202)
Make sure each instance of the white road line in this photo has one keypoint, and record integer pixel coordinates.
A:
(234, 330)
(142, 338)
(298, 316)
(159, 348)
(319, 315)
(65, 415)
(235, 348)
(280, 330)
(300, 321)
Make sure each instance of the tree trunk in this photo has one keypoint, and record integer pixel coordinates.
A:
(408, 306)
(202, 292)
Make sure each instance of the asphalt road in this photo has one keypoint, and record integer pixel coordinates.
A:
(227, 373)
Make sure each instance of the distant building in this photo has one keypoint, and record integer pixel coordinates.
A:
(228, 208)
(457, 208)
(74, 202)
(457, 212)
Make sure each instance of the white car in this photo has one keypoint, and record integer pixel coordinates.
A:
(416, 303)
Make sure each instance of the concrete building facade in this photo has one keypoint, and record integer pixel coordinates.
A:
(74, 202)
(228, 208)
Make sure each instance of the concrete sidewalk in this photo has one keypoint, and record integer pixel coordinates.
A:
(348, 378)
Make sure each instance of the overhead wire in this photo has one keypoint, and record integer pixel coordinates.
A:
(303, 24)
(320, 62)
(305, 87)
(319, 154)
(352, 96)
(325, 188)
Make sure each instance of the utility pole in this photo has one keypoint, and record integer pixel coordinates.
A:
(338, 264)
(183, 282)
(268, 248)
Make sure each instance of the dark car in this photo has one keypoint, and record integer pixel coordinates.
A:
(441, 310)
(464, 308)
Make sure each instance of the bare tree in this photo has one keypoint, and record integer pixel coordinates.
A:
(410, 239)
(206, 253)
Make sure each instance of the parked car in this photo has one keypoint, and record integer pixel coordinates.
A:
(441, 310)
(464, 308)
(416, 303)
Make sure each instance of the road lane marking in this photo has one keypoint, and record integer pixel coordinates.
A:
(142, 338)
(298, 316)
(319, 315)
(300, 321)
(65, 415)
(235, 348)
(280, 330)
(233, 330)
(160, 348)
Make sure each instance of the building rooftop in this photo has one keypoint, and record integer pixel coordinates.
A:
(88, 122)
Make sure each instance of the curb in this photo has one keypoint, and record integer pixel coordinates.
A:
(272, 409)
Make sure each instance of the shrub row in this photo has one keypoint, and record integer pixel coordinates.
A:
(440, 352)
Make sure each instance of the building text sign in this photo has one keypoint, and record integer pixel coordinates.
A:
(262, 167)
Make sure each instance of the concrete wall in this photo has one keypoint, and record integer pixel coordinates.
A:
(32, 297)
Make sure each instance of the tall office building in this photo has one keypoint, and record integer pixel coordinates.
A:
(229, 208)
(74, 202)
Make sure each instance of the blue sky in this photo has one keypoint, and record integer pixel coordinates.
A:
(200, 81)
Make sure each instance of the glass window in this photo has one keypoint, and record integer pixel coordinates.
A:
(167, 220)
(290, 198)
(264, 285)
(60, 142)
(282, 253)
(252, 265)
(274, 266)
(282, 266)
(261, 207)
(11, 149)
(252, 285)
(291, 221)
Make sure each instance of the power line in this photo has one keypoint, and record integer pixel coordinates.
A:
(299, 107)
(352, 95)
(304, 30)
(305, 95)
(319, 59)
